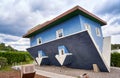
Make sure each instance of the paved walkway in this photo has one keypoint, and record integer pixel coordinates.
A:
(51, 75)
(114, 73)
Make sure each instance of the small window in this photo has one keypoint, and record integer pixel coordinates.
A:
(59, 33)
(97, 31)
(61, 52)
(39, 41)
(87, 27)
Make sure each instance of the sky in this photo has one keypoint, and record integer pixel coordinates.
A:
(18, 16)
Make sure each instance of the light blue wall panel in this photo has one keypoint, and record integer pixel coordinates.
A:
(62, 47)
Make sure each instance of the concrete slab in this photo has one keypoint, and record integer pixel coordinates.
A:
(51, 75)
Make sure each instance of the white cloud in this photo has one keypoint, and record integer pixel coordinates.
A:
(17, 16)
(15, 41)
(20, 44)
(115, 39)
(111, 30)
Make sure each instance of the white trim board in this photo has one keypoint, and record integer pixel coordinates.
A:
(60, 38)
(61, 58)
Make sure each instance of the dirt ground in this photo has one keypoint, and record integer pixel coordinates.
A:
(14, 74)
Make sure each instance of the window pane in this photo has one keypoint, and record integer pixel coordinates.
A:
(61, 52)
(60, 35)
(39, 41)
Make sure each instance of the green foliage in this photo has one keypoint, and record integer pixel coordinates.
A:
(115, 46)
(115, 59)
(6, 68)
(3, 62)
(16, 57)
(9, 56)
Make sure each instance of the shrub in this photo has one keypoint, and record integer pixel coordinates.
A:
(3, 62)
(115, 59)
(16, 57)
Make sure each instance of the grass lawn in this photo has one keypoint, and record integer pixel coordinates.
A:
(8, 72)
(6, 68)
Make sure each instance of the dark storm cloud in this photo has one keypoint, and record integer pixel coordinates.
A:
(110, 11)
(16, 28)
(16, 16)
(109, 7)
(14, 19)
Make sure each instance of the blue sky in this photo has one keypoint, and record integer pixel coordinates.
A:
(18, 16)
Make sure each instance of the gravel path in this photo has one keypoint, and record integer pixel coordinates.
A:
(115, 72)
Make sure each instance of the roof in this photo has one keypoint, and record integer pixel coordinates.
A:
(61, 18)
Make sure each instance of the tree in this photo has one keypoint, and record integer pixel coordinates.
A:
(115, 46)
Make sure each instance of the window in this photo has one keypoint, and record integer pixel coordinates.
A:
(59, 33)
(61, 52)
(87, 27)
(97, 31)
(39, 41)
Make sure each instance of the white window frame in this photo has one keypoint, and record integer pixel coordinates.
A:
(38, 41)
(97, 31)
(60, 51)
(57, 33)
(87, 27)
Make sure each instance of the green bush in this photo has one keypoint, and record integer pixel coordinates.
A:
(115, 59)
(16, 57)
(3, 62)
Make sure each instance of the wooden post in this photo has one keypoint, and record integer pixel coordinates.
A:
(95, 68)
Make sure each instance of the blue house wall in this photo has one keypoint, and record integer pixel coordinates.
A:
(70, 26)
(93, 25)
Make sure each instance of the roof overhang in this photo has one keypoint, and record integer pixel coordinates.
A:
(63, 17)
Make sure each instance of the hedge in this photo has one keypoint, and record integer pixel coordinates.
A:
(115, 59)
(3, 62)
(16, 57)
